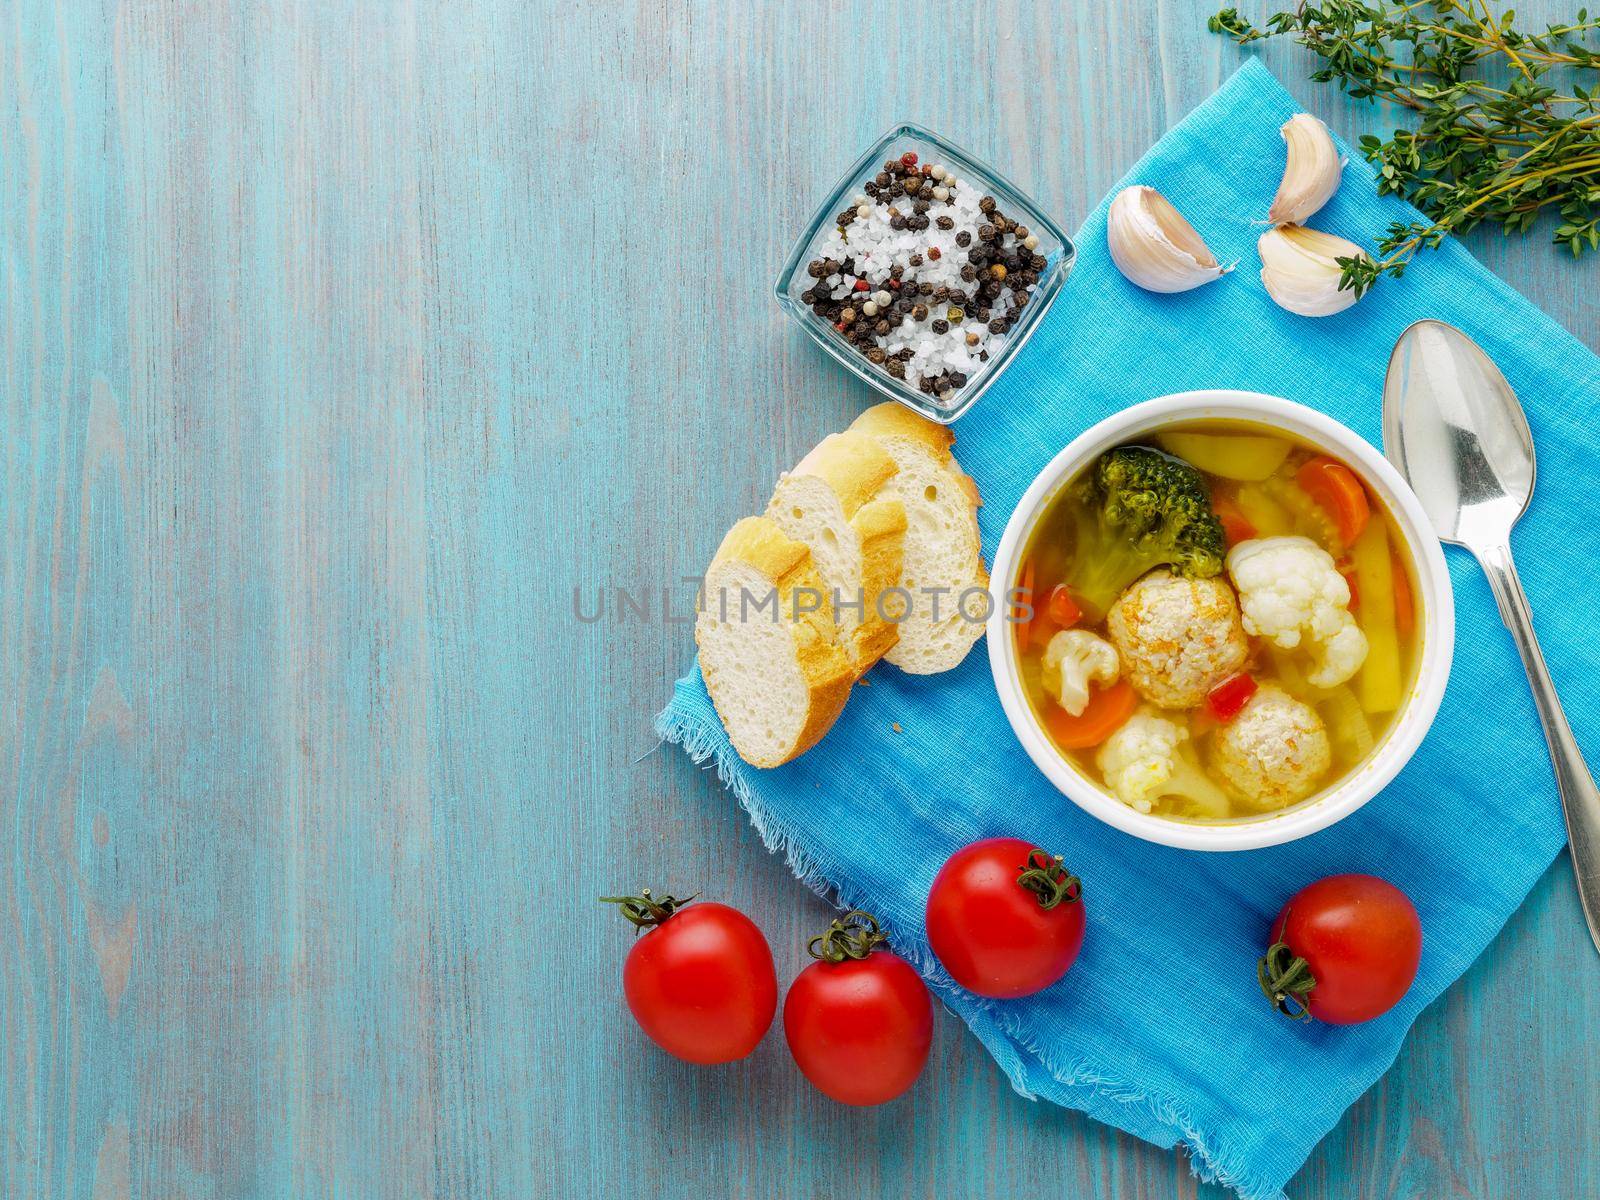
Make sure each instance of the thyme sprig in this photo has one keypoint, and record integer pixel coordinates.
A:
(1508, 123)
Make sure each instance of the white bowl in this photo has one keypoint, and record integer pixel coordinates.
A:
(1437, 631)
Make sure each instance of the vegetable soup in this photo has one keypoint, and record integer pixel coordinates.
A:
(1224, 621)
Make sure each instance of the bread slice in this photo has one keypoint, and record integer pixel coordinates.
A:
(830, 502)
(769, 649)
(942, 546)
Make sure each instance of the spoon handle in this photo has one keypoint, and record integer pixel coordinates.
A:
(1580, 799)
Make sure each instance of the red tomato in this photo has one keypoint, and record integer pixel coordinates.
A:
(1005, 918)
(859, 1021)
(700, 982)
(1343, 950)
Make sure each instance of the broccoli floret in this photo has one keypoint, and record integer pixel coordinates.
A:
(1139, 509)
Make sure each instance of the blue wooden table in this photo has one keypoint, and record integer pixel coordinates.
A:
(338, 344)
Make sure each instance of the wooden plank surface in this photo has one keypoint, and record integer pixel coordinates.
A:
(338, 345)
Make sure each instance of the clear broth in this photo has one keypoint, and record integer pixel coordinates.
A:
(1274, 506)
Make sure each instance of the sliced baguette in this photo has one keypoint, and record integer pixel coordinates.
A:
(942, 546)
(769, 649)
(831, 502)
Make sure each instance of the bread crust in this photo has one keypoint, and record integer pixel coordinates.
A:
(855, 466)
(893, 419)
(824, 665)
(892, 422)
(881, 526)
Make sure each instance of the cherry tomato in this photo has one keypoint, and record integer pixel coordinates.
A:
(1343, 950)
(1005, 918)
(859, 1021)
(1227, 700)
(700, 982)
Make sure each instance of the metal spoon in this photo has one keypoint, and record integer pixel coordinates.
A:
(1453, 427)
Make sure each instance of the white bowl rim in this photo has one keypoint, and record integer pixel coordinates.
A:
(1438, 626)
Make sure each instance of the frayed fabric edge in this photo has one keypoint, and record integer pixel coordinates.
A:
(705, 742)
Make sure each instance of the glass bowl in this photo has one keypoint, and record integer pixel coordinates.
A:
(1054, 246)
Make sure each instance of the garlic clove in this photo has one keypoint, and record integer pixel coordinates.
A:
(1311, 171)
(1154, 246)
(1300, 271)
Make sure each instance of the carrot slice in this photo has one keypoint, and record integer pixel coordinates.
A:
(1062, 608)
(1108, 710)
(1346, 568)
(1236, 527)
(1405, 604)
(1025, 605)
(1336, 489)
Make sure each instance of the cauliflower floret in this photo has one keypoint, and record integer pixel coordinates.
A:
(1178, 637)
(1274, 752)
(1073, 660)
(1291, 592)
(1146, 761)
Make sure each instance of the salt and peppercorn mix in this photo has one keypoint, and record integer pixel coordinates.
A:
(923, 276)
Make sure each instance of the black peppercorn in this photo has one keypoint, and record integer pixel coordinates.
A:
(986, 232)
(997, 326)
(814, 268)
(986, 204)
(897, 368)
(963, 239)
(920, 312)
(940, 325)
(925, 384)
(881, 328)
(946, 223)
(916, 260)
(876, 355)
(969, 272)
(808, 297)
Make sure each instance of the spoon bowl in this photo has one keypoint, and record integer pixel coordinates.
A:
(1457, 432)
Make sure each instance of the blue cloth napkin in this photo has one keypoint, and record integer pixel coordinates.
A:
(1160, 1029)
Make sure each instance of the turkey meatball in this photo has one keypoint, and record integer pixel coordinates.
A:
(1177, 638)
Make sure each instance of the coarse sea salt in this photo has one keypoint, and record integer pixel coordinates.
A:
(870, 245)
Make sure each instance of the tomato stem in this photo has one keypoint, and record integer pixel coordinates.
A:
(854, 935)
(647, 911)
(1286, 980)
(1044, 876)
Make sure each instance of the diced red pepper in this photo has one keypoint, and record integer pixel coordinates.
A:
(1229, 697)
(1062, 608)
